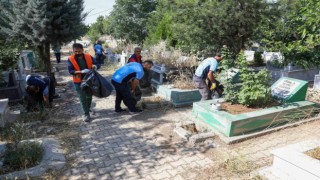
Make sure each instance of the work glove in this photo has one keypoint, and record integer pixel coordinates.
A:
(85, 71)
(213, 86)
(94, 67)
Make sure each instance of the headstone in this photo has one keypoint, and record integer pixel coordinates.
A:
(123, 59)
(232, 73)
(289, 89)
(316, 83)
(3, 111)
(157, 74)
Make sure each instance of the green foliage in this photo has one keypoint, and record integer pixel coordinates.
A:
(255, 90)
(9, 52)
(97, 29)
(159, 26)
(230, 90)
(294, 30)
(28, 154)
(258, 61)
(128, 19)
(43, 22)
(195, 25)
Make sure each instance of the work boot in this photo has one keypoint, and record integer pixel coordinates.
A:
(86, 118)
(120, 110)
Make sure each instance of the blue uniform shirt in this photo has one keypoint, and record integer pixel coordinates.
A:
(42, 83)
(127, 72)
(209, 64)
(98, 49)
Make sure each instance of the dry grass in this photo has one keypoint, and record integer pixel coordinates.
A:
(154, 99)
(170, 58)
(314, 153)
(238, 165)
(183, 82)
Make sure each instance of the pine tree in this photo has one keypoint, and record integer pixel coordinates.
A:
(45, 22)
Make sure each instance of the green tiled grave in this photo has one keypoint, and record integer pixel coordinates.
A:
(178, 97)
(290, 91)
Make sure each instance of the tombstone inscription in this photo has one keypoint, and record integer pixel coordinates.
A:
(289, 89)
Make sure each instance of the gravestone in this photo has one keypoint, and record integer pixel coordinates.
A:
(157, 74)
(316, 83)
(3, 111)
(232, 74)
(289, 90)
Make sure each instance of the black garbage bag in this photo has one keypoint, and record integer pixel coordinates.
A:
(96, 84)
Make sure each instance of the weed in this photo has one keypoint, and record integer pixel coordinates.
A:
(25, 155)
(238, 165)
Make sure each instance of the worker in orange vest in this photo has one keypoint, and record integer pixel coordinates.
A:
(79, 64)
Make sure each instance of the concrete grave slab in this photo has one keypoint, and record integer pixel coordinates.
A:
(178, 97)
(291, 162)
(240, 124)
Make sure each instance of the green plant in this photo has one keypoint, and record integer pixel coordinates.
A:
(258, 61)
(28, 154)
(9, 55)
(255, 90)
(230, 90)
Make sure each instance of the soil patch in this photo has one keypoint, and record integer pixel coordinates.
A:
(314, 153)
(239, 109)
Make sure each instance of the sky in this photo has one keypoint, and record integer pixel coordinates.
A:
(97, 8)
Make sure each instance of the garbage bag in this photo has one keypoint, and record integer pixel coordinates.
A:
(96, 84)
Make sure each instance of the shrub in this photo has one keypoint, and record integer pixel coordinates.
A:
(26, 155)
(258, 61)
(255, 90)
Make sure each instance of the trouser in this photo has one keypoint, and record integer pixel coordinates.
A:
(58, 57)
(123, 94)
(52, 88)
(85, 98)
(100, 58)
(202, 87)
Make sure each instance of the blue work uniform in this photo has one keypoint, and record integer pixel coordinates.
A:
(46, 85)
(201, 74)
(120, 81)
(99, 55)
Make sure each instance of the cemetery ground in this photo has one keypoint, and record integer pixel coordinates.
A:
(122, 146)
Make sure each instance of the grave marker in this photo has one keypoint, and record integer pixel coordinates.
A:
(289, 89)
(3, 111)
(157, 74)
(316, 84)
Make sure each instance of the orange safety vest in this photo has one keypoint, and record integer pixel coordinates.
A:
(77, 77)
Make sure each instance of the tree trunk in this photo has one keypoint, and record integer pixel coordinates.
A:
(44, 53)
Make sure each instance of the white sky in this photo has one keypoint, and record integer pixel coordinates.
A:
(97, 8)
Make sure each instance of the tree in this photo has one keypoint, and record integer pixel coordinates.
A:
(294, 32)
(98, 28)
(45, 22)
(197, 25)
(128, 19)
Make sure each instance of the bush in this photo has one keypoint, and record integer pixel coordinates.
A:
(25, 156)
(258, 61)
(255, 90)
